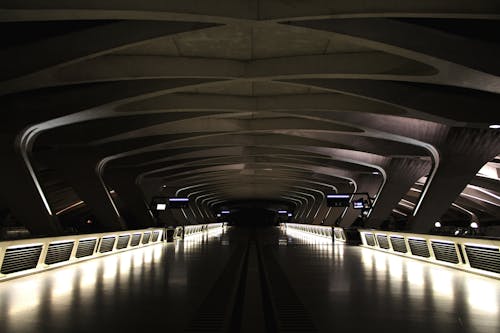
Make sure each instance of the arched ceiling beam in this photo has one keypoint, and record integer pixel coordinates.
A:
(440, 46)
(422, 98)
(285, 174)
(365, 65)
(229, 11)
(81, 45)
(326, 101)
(387, 148)
(316, 195)
(293, 195)
(216, 180)
(77, 104)
(186, 154)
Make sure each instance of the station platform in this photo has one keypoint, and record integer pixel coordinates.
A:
(251, 280)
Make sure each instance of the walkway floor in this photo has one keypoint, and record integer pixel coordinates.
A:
(251, 281)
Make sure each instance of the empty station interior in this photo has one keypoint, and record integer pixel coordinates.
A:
(250, 166)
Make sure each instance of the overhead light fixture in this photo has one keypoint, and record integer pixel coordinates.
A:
(495, 126)
(338, 196)
(225, 212)
(289, 214)
(161, 206)
(375, 173)
(437, 224)
(282, 212)
(338, 200)
(178, 199)
(474, 225)
(172, 203)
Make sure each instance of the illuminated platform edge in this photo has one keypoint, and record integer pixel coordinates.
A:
(481, 256)
(318, 230)
(27, 256)
(198, 228)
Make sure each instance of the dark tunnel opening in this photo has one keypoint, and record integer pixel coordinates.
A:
(253, 217)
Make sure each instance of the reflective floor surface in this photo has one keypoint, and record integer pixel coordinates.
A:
(357, 289)
(156, 287)
(162, 287)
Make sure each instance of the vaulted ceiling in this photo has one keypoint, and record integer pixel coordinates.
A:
(227, 101)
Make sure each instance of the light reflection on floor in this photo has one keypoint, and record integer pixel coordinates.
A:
(25, 299)
(322, 246)
(347, 288)
(447, 284)
(194, 242)
(393, 287)
(27, 302)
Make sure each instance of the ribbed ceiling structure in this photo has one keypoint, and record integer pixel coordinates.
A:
(229, 102)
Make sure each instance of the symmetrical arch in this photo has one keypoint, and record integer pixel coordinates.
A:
(112, 103)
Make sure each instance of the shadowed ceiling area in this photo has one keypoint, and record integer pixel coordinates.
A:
(267, 104)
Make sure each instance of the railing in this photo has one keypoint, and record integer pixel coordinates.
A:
(22, 257)
(470, 254)
(316, 230)
(194, 229)
(212, 226)
(319, 230)
(190, 230)
(339, 235)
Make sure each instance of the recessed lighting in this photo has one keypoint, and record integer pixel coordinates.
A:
(437, 224)
(474, 225)
(495, 126)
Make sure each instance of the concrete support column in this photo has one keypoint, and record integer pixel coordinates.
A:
(322, 213)
(178, 216)
(198, 211)
(332, 213)
(462, 155)
(171, 217)
(132, 198)
(402, 173)
(79, 170)
(312, 208)
(193, 214)
(21, 195)
(366, 183)
(153, 188)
